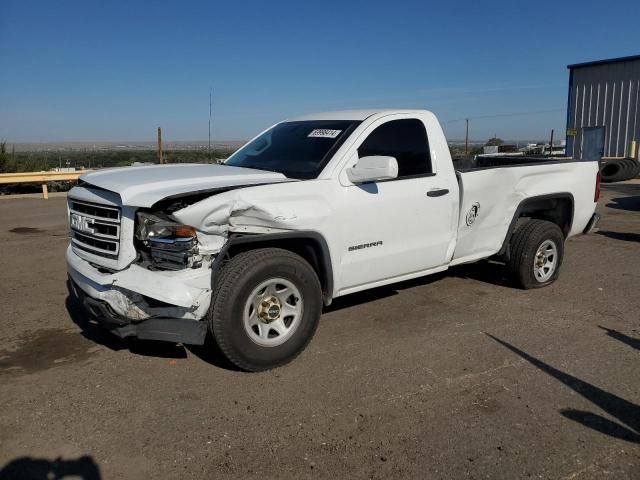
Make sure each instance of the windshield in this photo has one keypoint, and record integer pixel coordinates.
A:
(295, 149)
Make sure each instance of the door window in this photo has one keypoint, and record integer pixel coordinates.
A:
(406, 141)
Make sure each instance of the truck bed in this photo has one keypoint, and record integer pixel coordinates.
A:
(491, 194)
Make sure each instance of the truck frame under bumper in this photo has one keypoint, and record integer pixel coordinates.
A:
(593, 223)
(177, 330)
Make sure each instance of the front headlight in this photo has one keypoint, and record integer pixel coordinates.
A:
(151, 226)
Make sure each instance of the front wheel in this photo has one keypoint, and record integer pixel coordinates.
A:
(265, 308)
(537, 249)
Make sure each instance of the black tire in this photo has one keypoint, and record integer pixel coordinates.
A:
(631, 168)
(525, 242)
(627, 169)
(611, 171)
(239, 277)
(619, 170)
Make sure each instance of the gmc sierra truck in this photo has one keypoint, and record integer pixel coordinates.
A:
(311, 209)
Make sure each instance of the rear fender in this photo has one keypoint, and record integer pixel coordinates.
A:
(555, 207)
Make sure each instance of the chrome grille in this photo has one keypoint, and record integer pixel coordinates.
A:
(95, 228)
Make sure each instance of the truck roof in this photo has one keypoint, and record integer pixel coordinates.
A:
(353, 114)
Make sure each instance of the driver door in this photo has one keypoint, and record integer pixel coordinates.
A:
(395, 228)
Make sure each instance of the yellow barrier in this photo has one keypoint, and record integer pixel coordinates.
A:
(40, 177)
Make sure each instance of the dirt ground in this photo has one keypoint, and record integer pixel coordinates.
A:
(453, 376)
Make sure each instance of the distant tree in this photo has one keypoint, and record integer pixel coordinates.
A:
(3, 156)
(493, 142)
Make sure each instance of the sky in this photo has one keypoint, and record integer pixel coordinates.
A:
(115, 71)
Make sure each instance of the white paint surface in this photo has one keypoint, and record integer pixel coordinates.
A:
(407, 232)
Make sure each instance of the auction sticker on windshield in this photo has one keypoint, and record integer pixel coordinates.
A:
(324, 133)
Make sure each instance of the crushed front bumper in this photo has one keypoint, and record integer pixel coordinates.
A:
(137, 302)
(178, 330)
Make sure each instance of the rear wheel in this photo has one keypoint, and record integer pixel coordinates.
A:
(265, 308)
(537, 249)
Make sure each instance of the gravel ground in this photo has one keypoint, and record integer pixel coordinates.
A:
(452, 376)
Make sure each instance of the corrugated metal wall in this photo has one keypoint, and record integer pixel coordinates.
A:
(605, 95)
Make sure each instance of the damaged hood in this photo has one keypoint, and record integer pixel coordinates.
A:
(144, 186)
(264, 209)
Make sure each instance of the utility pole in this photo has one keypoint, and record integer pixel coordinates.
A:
(551, 144)
(160, 160)
(210, 110)
(466, 139)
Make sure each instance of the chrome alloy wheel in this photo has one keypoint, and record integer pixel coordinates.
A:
(545, 261)
(273, 312)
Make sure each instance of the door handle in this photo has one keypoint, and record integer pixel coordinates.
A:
(437, 192)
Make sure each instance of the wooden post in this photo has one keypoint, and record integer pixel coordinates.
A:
(45, 191)
(160, 160)
(466, 139)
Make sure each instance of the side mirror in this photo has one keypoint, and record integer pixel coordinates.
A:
(373, 168)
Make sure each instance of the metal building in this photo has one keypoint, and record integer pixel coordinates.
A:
(603, 111)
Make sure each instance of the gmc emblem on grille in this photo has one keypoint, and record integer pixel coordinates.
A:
(82, 224)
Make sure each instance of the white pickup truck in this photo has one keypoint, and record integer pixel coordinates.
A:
(311, 209)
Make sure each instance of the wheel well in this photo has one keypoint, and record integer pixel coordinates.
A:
(309, 245)
(558, 210)
(555, 208)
